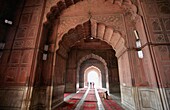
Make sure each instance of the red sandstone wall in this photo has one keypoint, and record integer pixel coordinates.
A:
(17, 68)
(152, 26)
(7, 36)
(58, 80)
(22, 53)
(157, 15)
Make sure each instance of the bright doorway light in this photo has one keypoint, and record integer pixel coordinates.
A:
(93, 77)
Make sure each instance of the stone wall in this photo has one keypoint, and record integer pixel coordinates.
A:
(12, 98)
(157, 16)
(149, 98)
(141, 98)
(59, 80)
(17, 68)
(127, 97)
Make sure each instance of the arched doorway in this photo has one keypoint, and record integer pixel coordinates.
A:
(93, 74)
(114, 39)
(96, 61)
(71, 41)
(93, 79)
(112, 28)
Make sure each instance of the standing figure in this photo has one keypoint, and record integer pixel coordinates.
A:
(93, 84)
(90, 84)
(106, 94)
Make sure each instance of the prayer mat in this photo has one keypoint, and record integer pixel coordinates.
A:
(90, 106)
(68, 105)
(111, 105)
(91, 92)
(91, 97)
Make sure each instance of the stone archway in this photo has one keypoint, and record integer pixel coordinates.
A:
(97, 77)
(113, 19)
(105, 81)
(28, 81)
(99, 28)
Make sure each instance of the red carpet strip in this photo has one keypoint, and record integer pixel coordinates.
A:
(91, 97)
(90, 106)
(91, 92)
(111, 105)
(68, 105)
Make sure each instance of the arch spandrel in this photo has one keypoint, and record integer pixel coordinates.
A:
(114, 21)
(110, 13)
(70, 22)
(67, 8)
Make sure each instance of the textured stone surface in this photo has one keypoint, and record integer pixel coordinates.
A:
(12, 97)
(128, 96)
(149, 99)
(168, 96)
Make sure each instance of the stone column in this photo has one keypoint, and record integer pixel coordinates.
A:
(20, 69)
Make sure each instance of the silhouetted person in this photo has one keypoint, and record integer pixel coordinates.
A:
(93, 84)
(106, 94)
(90, 84)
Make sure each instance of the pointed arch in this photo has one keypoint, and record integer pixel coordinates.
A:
(98, 81)
(57, 19)
(85, 58)
(97, 30)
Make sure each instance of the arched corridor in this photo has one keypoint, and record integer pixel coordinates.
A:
(50, 48)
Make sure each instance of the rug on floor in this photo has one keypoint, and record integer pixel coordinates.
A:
(111, 105)
(68, 105)
(89, 106)
(91, 97)
(91, 92)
